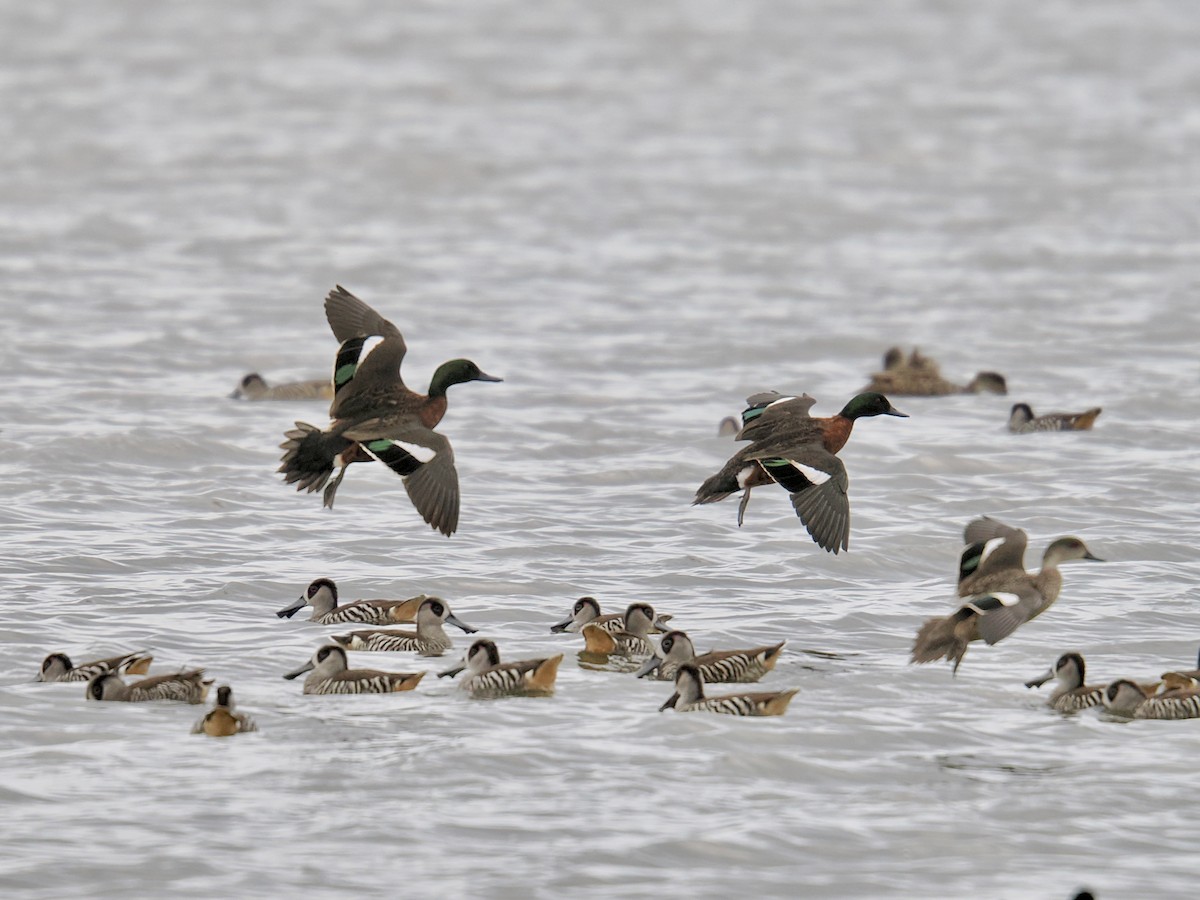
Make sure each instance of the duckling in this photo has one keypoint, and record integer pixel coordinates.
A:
(222, 720)
(1022, 420)
(322, 596)
(430, 639)
(689, 697)
(58, 666)
(489, 678)
(254, 387)
(1125, 698)
(1003, 597)
(631, 641)
(741, 666)
(186, 687)
(797, 451)
(331, 674)
(587, 609)
(922, 377)
(374, 412)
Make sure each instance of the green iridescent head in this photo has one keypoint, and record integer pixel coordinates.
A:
(456, 371)
(871, 403)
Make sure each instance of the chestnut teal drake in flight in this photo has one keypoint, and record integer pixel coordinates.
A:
(374, 413)
(920, 376)
(689, 697)
(254, 387)
(729, 666)
(999, 594)
(322, 596)
(487, 677)
(1022, 420)
(430, 638)
(58, 666)
(797, 451)
(331, 674)
(223, 720)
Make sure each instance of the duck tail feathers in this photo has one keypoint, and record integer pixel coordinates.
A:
(309, 456)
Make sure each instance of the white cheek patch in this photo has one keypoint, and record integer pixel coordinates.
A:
(816, 476)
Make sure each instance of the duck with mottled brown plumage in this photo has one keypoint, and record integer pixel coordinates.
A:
(1000, 595)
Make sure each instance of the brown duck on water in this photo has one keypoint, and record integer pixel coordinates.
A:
(919, 376)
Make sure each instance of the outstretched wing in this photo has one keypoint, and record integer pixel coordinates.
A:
(350, 318)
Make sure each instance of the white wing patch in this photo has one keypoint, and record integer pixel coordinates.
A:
(368, 345)
(816, 476)
(989, 548)
(424, 454)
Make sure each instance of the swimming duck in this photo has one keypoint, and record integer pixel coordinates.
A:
(58, 667)
(254, 387)
(689, 697)
(728, 427)
(631, 640)
(1071, 694)
(587, 609)
(373, 413)
(920, 376)
(222, 720)
(1125, 698)
(186, 687)
(322, 596)
(430, 639)
(331, 674)
(1022, 420)
(742, 666)
(797, 451)
(488, 677)
(1000, 596)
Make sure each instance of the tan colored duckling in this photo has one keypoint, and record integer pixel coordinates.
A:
(58, 666)
(222, 720)
(737, 666)
(331, 674)
(689, 697)
(322, 596)
(184, 687)
(1022, 420)
(254, 387)
(430, 638)
(488, 678)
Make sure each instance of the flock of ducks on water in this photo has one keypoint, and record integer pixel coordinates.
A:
(374, 416)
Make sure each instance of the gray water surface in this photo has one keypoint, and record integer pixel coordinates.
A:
(637, 214)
